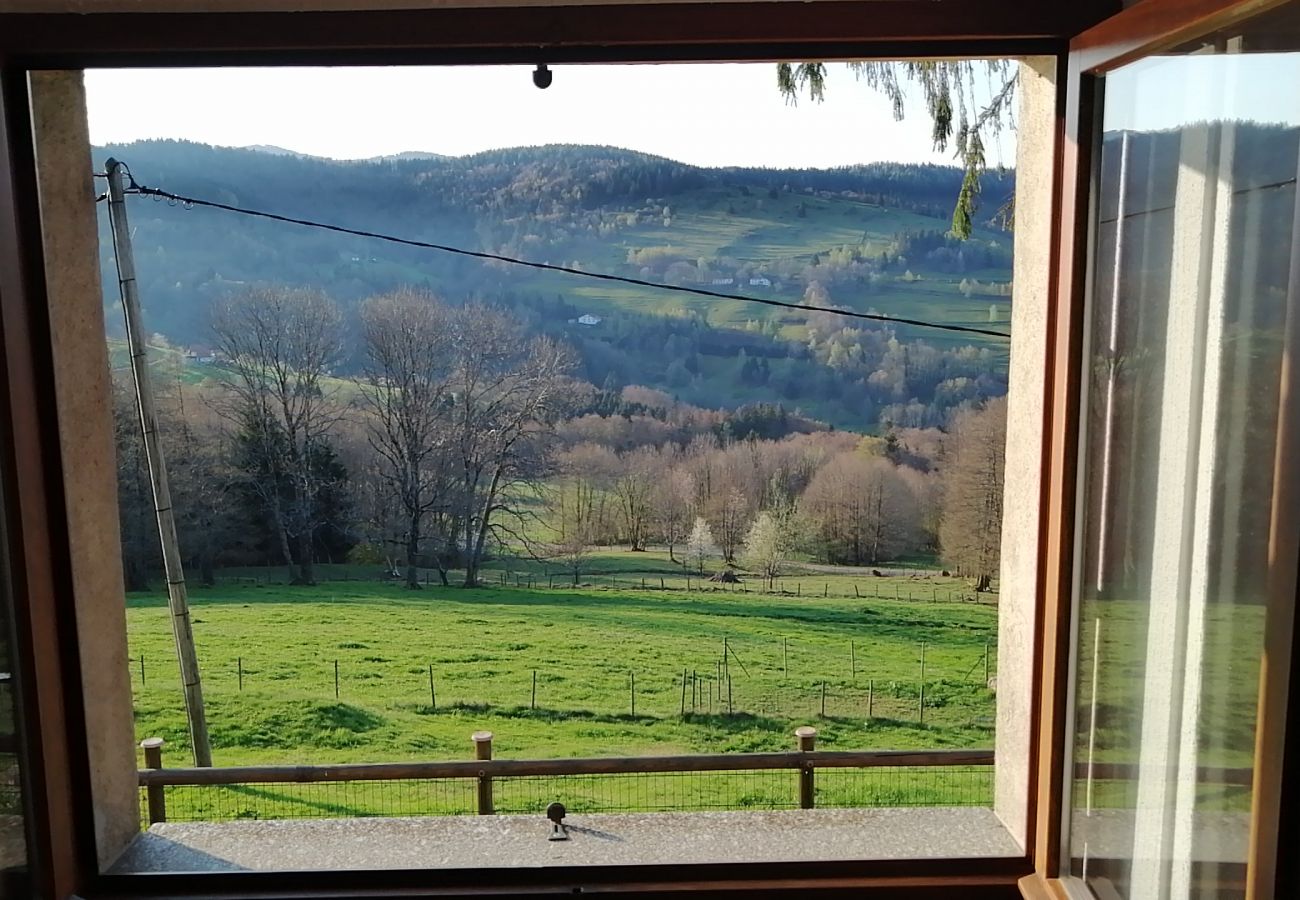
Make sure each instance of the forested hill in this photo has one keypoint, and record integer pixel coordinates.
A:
(515, 181)
(871, 238)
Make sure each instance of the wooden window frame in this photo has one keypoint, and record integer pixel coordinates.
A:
(52, 703)
(1149, 27)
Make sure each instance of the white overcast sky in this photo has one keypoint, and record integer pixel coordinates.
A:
(707, 114)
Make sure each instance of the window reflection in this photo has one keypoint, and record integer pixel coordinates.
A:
(1196, 302)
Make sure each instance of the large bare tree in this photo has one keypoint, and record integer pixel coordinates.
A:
(280, 344)
(202, 479)
(507, 392)
(406, 392)
(578, 517)
(730, 521)
(861, 510)
(672, 501)
(633, 487)
(970, 530)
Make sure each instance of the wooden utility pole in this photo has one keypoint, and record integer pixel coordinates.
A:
(177, 600)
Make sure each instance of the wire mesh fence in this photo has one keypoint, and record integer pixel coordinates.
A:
(891, 786)
(768, 789)
(957, 688)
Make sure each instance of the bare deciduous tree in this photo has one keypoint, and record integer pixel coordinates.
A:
(970, 531)
(409, 364)
(730, 521)
(577, 513)
(674, 491)
(280, 343)
(861, 510)
(202, 478)
(633, 489)
(507, 392)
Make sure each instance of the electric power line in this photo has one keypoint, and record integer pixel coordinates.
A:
(189, 202)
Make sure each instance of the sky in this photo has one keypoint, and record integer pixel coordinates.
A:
(703, 114)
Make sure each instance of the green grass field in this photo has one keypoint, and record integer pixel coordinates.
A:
(585, 644)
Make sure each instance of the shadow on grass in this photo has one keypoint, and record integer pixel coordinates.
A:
(738, 721)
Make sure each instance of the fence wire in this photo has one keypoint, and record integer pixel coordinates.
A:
(583, 794)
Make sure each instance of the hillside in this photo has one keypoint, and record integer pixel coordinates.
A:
(870, 238)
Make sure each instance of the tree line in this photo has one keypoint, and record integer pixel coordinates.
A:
(460, 435)
(834, 497)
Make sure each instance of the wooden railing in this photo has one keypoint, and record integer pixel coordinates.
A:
(806, 760)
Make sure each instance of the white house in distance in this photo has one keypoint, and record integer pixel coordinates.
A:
(588, 319)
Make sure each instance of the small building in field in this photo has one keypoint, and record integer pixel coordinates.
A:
(588, 319)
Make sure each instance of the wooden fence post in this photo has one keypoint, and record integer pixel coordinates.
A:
(433, 697)
(483, 750)
(807, 736)
(534, 703)
(683, 693)
(336, 679)
(153, 760)
(920, 707)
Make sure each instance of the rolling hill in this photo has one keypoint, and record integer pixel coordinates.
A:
(869, 238)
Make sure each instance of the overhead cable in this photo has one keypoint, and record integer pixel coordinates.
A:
(189, 202)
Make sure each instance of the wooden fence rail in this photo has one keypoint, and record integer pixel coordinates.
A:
(484, 769)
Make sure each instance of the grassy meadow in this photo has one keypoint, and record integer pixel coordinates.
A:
(585, 644)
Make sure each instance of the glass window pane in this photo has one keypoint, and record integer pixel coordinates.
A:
(1195, 304)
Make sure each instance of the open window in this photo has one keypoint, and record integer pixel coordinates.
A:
(1116, 760)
